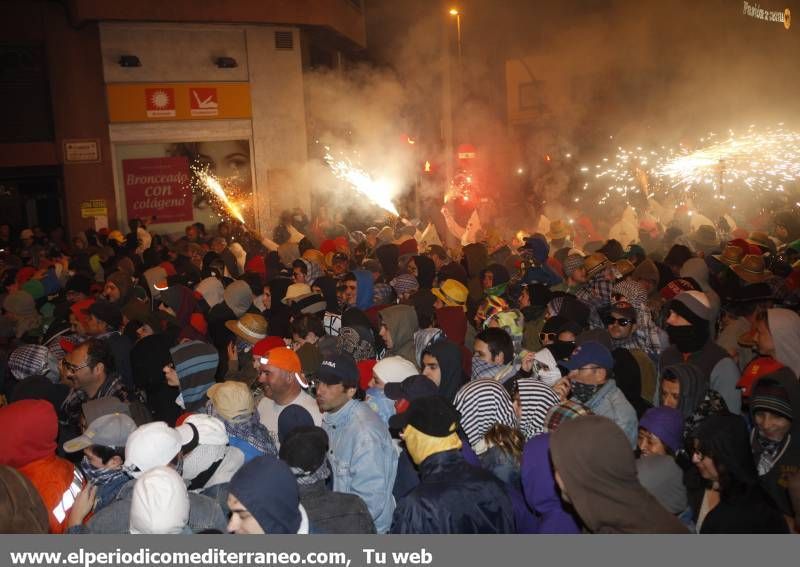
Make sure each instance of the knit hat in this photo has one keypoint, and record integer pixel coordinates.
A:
(770, 395)
(28, 360)
(21, 508)
(666, 424)
(268, 489)
(151, 445)
(250, 327)
(571, 263)
(647, 270)
(160, 503)
(232, 400)
(110, 430)
(692, 304)
(239, 297)
(108, 313)
(394, 369)
(755, 370)
(404, 283)
(290, 418)
(196, 365)
(304, 448)
(263, 346)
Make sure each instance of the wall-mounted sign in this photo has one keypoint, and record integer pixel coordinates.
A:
(177, 101)
(94, 208)
(81, 151)
(759, 13)
(159, 188)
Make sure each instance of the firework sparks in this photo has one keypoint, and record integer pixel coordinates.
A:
(213, 185)
(756, 161)
(378, 191)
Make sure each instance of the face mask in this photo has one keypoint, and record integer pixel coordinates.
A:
(561, 349)
(98, 477)
(686, 338)
(583, 392)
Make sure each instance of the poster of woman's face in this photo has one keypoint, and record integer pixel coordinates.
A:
(154, 182)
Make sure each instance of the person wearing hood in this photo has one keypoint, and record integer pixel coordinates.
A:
(775, 407)
(237, 300)
(103, 447)
(194, 364)
(533, 399)
(276, 312)
(149, 356)
(532, 301)
(590, 382)
(662, 477)
(159, 503)
(729, 499)
(20, 310)
(424, 269)
(150, 446)
(28, 444)
(453, 496)
(304, 449)
(398, 325)
(688, 328)
(475, 259)
(362, 297)
(596, 472)
(778, 335)
(541, 492)
(118, 288)
(209, 460)
(21, 508)
(263, 499)
(442, 363)
(685, 388)
(179, 304)
(697, 269)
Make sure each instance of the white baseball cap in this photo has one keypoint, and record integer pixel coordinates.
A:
(211, 430)
(151, 445)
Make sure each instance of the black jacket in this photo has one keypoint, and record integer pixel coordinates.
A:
(454, 497)
(335, 512)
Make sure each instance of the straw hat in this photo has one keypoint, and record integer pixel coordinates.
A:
(624, 266)
(558, 230)
(731, 256)
(752, 269)
(296, 292)
(251, 327)
(594, 263)
(452, 293)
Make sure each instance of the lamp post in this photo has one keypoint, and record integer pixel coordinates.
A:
(457, 14)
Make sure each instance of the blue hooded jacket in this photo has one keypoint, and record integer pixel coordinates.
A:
(366, 289)
(539, 487)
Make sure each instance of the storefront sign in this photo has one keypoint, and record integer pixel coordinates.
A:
(81, 151)
(177, 101)
(158, 188)
(94, 208)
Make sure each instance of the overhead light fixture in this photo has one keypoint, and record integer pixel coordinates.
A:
(226, 62)
(129, 61)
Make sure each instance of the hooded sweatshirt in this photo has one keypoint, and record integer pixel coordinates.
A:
(366, 289)
(595, 462)
(28, 444)
(21, 507)
(238, 297)
(541, 492)
(448, 355)
(784, 326)
(401, 320)
(160, 503)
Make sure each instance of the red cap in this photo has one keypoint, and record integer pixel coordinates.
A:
(365, 372)
(327, 246)
(169, 268)
(256, 265)
(263, 346)
(757, 368)
(198, 322)
(80, 309)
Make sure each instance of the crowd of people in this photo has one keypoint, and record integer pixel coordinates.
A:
(330, 380)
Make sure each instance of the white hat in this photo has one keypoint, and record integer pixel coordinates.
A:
(151, 445)
(297, 291)
(210, 429)
(394, 369)
(160, 503)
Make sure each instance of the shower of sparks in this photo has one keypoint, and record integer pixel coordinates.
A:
(757, 161)
(212, 184)
(378, 191)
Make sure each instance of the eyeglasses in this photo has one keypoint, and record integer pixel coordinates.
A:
(623, 322)
(548, 337)
(70, 368)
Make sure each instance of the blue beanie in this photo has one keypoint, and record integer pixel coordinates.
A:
(292, 417)
(538, 248)
(666, 424)
(268, 489)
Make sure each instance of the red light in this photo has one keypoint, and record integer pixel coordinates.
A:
(427, 167)
(547, 157)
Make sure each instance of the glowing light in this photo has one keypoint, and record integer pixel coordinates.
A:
(520, 171)
(378, 191)
(427, 167)
(547, 157)
(454, 11)
(213, 185)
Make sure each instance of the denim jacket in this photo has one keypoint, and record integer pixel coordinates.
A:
(363, 459)
(610, 402)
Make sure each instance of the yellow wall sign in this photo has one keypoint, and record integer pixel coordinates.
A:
(143, 102)
(94, 208)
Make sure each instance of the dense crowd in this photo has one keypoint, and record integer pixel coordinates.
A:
(330, 380)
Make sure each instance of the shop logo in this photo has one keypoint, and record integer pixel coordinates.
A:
(203, 102)
(160, 102)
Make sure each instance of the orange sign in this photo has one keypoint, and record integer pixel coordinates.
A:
(177, 101)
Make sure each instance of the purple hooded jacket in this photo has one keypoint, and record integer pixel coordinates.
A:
(541, 492)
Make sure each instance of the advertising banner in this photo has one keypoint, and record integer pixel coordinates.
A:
(159, 188)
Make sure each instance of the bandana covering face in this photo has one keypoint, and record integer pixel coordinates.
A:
(583, 392)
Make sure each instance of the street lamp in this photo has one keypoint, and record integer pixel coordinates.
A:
(457, 14)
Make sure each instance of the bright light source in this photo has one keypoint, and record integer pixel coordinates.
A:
(520, 171)
(454, 11)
